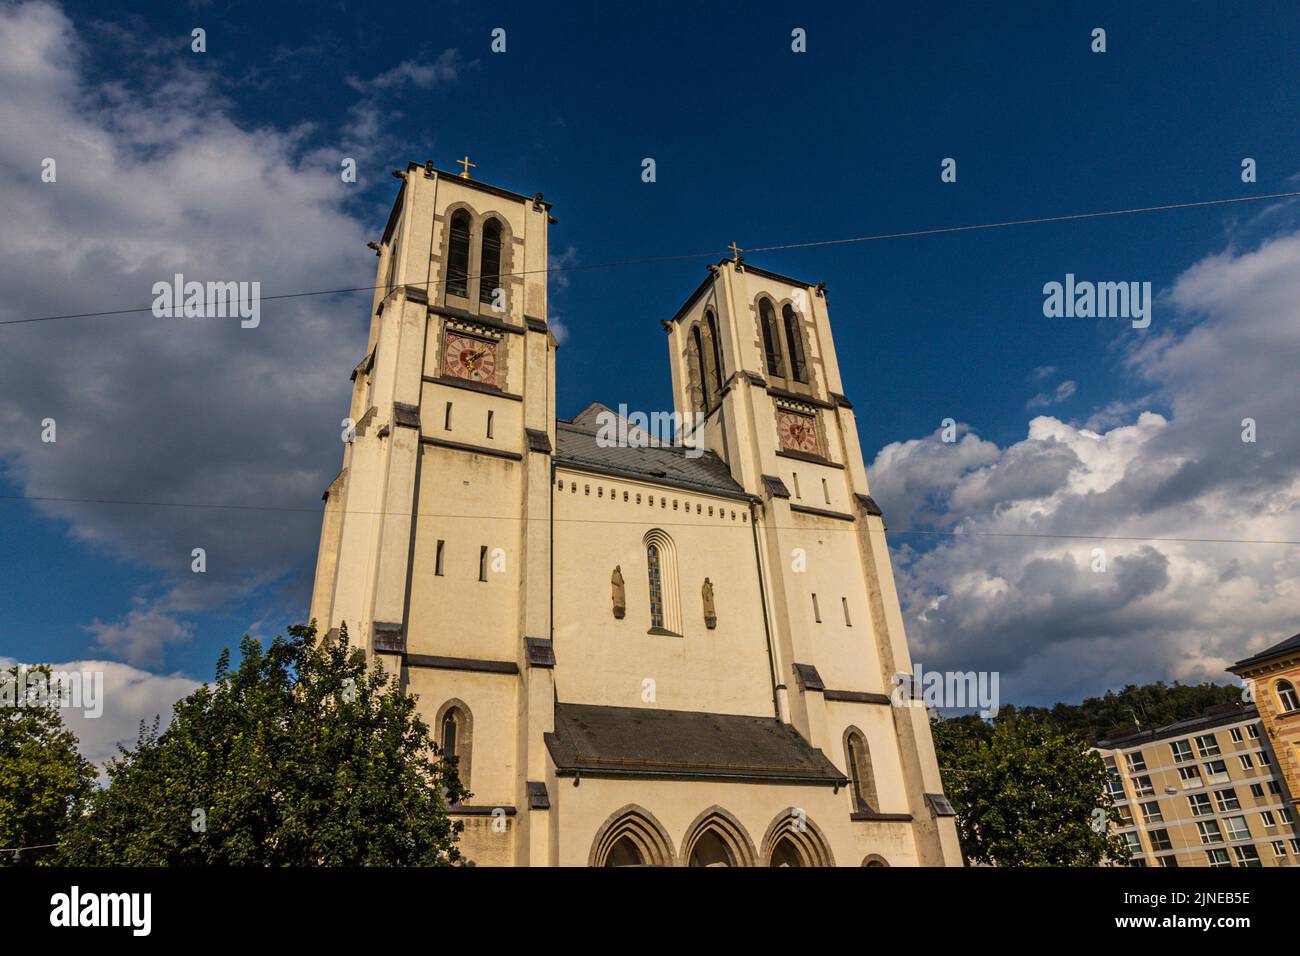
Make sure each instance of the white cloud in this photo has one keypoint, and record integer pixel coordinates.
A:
(1057, 395)
(130, 696)
(1012, 591)
(445, 69)
(152, 181)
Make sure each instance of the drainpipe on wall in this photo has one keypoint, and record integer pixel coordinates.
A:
(762, 595)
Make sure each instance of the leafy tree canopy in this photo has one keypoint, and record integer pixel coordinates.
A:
(301, 756)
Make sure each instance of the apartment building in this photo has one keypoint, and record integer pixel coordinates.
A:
(1206, 791)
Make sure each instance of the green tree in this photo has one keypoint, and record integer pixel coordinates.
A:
(1027, 793)
(44, 781)
(301, 756)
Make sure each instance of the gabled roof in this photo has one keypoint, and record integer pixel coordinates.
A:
(576, 446)
(647, 742)
(1290, 646)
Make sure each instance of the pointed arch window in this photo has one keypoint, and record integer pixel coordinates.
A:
(455, 733)
(458, 254)
(771, 338)
(794, 342)
(715, 348)
(861, 776)
(490, 261)
(697, 353)
(1287, 697)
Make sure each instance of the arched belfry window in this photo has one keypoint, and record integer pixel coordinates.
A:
(861, 777)
(455, 733)
(1286, 696)
(661, 573)
(715, 349)
(771, 338)
(490, 261)
(697, 356)
(794, 343)
(458, 254)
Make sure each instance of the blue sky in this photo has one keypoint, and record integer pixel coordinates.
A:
(171, 159)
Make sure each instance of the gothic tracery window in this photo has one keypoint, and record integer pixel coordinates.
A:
(697, 353)
(716, 349)
(458, 254)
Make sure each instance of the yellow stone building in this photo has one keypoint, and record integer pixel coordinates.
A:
(1274, 676)
(640, 653)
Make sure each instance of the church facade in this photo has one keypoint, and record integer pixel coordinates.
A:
(640, 653)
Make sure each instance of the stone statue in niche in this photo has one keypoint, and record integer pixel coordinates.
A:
(619, 594)
(710, 612)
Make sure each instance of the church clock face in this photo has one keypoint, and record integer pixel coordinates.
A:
(798, 432)
(470, 358)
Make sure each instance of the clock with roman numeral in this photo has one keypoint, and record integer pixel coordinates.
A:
(798, 432)
(470, 358)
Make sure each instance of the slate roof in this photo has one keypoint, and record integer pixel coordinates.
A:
(660, 464)
(648, 742)
(1290, 645)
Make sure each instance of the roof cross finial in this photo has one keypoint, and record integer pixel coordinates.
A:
(468, 166)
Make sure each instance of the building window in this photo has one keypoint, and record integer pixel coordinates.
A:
(1201, 806)
(1247, 856)
(1218, 858)
(1169, 861)
(1160, 841)
(771, 338)
(1182, 751)
(1115, 787)
(1286, 696)
(1209, 830)
(715, 349)
(817, 611)
(1125, 813)
(1142, 786)
(795, 476)
(661, 576)
(455, 735)
(826, 491)
(1238, 829)
(1274, 787)
(1136, 762)
(489, 425)
(1279, 848)
(1236, 735)
(847, 621)
(794, 340)
(1208, 745)
(1227, 800)
(490, 261)
(1151, 812)
(437, 557)
(446, 417)
(1247, 762)
(1191, 777)
(697, 353)
(1257, 791)
(858, 756)
(482, 562)
(1216, 771)
(1268, 819)
(656, 586)
(458, 255)
(1252, 731)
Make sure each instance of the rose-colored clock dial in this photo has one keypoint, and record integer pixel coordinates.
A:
(798, 433)
(470, 358)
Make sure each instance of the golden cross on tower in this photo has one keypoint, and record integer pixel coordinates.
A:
(468, 166)
(735, 249)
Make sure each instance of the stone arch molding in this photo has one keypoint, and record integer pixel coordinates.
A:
(793, 827)
(727, 828)
(641, 827)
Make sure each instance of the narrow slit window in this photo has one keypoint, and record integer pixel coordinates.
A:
(437, 557)
(482, 563)
(826, 491)
(817, 611)
(446, 418)
(847, 621)
(489, 427)
(796, 485)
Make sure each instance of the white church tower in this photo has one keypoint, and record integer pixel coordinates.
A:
(638, 655)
